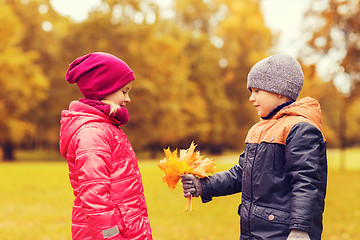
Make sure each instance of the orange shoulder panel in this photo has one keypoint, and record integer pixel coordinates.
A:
(274, 130)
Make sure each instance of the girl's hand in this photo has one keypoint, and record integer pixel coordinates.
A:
(298, 235)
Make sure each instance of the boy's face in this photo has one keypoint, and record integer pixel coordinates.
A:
(264, 101)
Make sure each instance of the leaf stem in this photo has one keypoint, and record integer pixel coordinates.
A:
(191, 203)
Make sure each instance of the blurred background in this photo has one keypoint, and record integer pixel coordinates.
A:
(191, 59)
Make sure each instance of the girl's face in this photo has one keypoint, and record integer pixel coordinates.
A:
(265, 102)
(121, 97)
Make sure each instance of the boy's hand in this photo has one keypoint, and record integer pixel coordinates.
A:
(191, 185)
(298, 235)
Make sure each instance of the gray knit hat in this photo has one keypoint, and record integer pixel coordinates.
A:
(280, 74)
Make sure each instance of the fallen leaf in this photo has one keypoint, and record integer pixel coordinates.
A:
(189, 161)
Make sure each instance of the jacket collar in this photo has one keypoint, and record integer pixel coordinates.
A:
(277, 109)
(307, 107)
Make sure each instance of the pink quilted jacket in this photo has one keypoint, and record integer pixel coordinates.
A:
(109, 197)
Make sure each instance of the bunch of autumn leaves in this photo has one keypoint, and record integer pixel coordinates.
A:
(189, 162)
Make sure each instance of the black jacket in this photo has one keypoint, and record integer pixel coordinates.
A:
(282, 175)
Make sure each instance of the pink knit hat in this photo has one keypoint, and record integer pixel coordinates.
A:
(99, 74)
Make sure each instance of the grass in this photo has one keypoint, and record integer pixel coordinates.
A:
(36, 201)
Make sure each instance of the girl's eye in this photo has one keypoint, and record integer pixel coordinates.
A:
(124, 92)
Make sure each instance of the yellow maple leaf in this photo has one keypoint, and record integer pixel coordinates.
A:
(173, 168)
(204, 167)
(189, 162)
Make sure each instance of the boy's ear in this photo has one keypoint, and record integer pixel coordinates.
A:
(285, 98)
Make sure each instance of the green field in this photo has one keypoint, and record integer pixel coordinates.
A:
(36, 200)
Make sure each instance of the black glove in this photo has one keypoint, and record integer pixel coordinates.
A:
(191, 185)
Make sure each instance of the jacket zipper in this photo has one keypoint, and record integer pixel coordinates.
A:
(251, 179)
(251, 188)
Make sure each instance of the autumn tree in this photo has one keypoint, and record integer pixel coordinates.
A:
(22, 83)
(214, 123)
(334, 34)
(43, 31)
(329, 98)
(244, 39)
(154, 50)
(231, 37)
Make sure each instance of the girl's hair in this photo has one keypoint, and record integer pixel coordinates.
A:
(113, 106)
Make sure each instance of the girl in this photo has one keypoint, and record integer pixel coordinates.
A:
(109, 196)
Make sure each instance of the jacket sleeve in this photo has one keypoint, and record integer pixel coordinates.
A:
(303, 152)
(93, 162)
(223, 183)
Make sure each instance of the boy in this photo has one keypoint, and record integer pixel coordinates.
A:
(282, 172)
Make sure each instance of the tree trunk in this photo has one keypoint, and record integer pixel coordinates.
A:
(216, 148)
(8, 151)
(342, 133)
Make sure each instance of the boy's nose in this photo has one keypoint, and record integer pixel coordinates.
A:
(251, 98)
